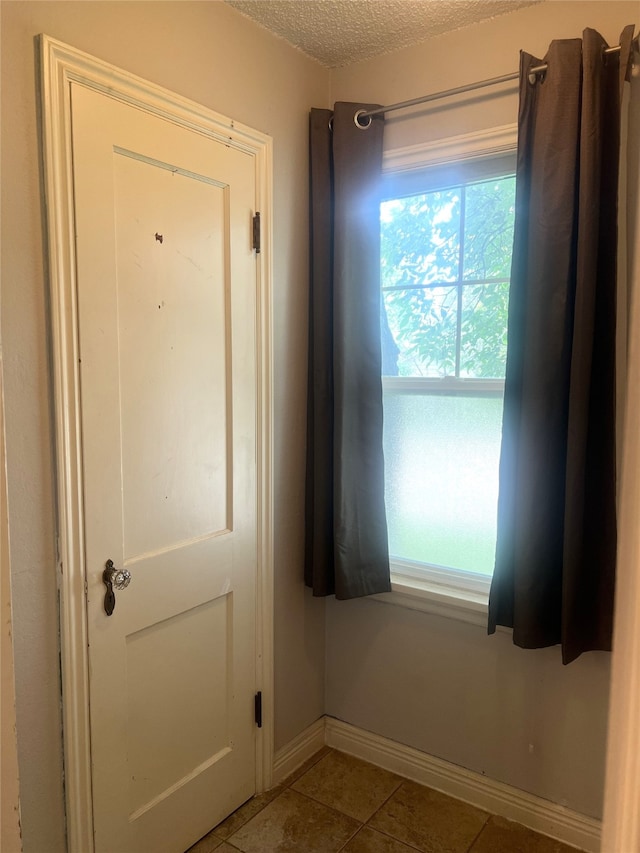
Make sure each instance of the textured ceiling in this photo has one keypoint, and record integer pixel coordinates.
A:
(339, 32)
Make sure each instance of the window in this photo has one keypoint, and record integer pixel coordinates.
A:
(446, 239)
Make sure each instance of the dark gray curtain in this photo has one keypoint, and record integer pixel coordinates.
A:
(346, 549)
(556, 548)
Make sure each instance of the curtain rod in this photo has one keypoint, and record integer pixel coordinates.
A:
(459, 90)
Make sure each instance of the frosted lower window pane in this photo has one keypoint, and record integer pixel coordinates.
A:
(441, 469)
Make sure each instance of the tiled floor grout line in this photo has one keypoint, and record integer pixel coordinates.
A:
(401, 780)
(323, 781)
(350, 839)
(293, 778)
(395, 791)
(285, 784)
(362, 823)
(386, 833)
(306, 797)
(366, 823)
(484, 826)
(331, 808)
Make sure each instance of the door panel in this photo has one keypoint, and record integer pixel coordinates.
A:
(157, 757)
(166, 285)
(174, 287)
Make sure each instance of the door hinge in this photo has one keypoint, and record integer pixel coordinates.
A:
(256, 233)
(258, 709)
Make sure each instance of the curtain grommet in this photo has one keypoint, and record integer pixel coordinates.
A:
(356, 120)
(537, 75)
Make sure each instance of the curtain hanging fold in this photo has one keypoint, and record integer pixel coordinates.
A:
(346, 548)
(556, 546)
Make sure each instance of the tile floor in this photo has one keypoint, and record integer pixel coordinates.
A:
(338, 803)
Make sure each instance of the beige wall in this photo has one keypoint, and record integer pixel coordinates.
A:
(436, 684)
(462, 696)
(207, 52)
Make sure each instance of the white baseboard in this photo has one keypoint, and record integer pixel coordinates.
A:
(298, 750)
(541, 815)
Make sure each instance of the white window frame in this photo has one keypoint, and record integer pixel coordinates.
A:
(438, 590)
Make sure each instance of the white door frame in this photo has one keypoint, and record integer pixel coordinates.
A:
(60, 66)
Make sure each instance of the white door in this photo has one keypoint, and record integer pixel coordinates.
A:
(167, 344)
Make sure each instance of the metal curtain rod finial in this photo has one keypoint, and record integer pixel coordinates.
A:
(534, 75)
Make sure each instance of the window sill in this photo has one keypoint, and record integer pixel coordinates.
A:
(453, 595)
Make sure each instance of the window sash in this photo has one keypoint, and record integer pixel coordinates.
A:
(448, 385)
(415, 583)
(390, 288)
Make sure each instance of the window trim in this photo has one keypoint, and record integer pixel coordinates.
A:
(442, 592)
(453, 149)
(451, 593)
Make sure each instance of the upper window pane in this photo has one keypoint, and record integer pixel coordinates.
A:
(420, 336)
(420, 239)
(488, 229)
(460, 236)
(483, 332)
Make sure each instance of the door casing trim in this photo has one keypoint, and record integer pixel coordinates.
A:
(60, 65)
